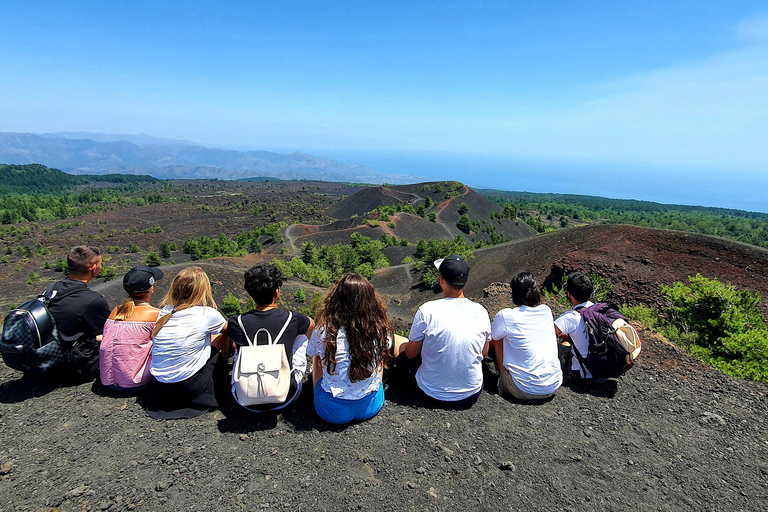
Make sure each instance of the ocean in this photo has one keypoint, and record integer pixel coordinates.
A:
(689, 187)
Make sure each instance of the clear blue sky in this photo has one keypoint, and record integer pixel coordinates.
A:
(679, 85)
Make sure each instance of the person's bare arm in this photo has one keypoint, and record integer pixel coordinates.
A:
(412, 348)
(561, 335)
(317, 370)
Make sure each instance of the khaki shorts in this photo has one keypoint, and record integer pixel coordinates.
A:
(507, 386)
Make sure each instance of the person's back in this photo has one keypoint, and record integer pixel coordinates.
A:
(126, 345)
(263, 283)
(525, 345)
(570, 327)
(454, 332)
(81, 313)
(448, 337)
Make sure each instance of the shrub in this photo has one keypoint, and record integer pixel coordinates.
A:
(300, 296)
(464, 224)
(165, 250)
(132, 247)
(313, 306)
(61, 266)
(230, 305)
(33, 277)
(107, 273)
(647, 317)
(152, 259)
(729, 328)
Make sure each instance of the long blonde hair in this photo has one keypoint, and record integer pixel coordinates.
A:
(191, 287)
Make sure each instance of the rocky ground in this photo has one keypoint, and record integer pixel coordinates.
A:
(672, 434)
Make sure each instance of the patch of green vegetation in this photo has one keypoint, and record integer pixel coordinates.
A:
(153, 259)
(720, 324)
(300, 297)
(230, 305)
(107, 273)
(744, 226)
(310, 309)
(430, 250)
(33, 277)
(647, 317)
(324, 264)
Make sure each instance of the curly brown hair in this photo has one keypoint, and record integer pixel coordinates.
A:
(352, 303)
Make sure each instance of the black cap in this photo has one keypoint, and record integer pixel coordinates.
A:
(454, 270)
(141, 279)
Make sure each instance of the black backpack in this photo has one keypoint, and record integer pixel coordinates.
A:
(30, 341)
(613, 343)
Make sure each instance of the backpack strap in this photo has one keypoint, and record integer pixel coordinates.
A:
(290, 316)
(51, 295)
(269, 336)
(242, 327)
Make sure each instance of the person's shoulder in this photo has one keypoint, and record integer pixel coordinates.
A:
(476, 306)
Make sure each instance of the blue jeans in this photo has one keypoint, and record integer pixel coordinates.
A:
(340, 411)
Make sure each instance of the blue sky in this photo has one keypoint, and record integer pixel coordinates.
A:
(674, 85)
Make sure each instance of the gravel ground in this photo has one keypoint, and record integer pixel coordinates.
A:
(672, 434)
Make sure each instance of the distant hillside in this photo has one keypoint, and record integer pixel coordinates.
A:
(426, 210)
(36, 178)
(166, 159)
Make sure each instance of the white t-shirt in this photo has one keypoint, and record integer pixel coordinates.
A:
(338, 383)
(183, 345)
(530, 348)
(453, 333)
(571, 323)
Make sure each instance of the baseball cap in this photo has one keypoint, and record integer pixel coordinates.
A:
(141, 279)
(454, 269)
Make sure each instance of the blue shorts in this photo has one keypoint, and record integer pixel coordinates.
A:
(340, 411)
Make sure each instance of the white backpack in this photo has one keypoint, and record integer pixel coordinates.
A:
(261, 373)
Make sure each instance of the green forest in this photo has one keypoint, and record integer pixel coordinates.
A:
(548, 212)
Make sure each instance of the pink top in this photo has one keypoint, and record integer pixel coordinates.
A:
(124, 354)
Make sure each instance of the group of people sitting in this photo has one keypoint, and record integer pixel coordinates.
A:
(178, 353)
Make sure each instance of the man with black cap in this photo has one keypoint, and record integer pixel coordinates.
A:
(445, 347)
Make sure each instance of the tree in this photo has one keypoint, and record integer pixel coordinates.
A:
(153, 259)
(463, 208)
(165, 250)
(464, 223)
(231, 305)
(300, 296)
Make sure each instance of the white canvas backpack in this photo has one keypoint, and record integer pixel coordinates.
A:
(261, 373)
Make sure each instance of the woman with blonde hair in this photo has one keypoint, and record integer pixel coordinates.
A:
(189, 343)
(126, 346)
(350, 349)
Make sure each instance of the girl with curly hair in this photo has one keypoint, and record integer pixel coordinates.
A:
(350, 349)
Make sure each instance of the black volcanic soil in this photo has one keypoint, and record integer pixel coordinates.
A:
(636, 261)
(672, 434)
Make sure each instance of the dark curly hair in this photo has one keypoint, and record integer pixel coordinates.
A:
(352, 303)
(262, 281)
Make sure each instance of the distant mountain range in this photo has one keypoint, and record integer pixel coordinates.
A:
(99, 153)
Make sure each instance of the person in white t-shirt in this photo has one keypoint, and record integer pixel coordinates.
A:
(525, 344)
(350, 349)
(570, 327)
(448, 338)
(189, 342)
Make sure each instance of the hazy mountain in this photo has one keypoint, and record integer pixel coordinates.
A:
(169, 159)
(138, 139)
